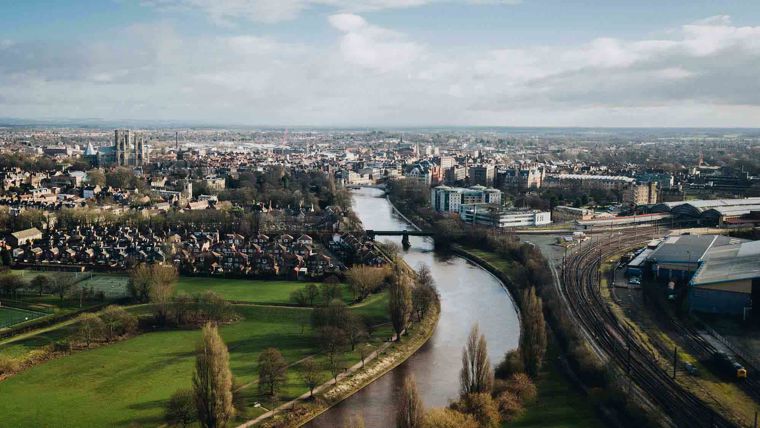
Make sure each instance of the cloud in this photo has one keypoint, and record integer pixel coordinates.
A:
(700, 74)
(228, 12)
(373, 47)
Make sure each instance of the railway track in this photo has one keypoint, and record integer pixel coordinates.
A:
(580, 285)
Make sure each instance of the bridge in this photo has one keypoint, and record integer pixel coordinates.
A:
(405, 234)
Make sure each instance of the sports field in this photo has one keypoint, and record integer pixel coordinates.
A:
(11, 316)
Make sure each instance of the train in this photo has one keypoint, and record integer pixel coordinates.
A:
(729, 366)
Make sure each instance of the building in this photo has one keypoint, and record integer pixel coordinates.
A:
(588, 181)
(482, 174)
(23, 237)
(449, 199)
(494, 216)
(678, 257)
(562, 213)
(129, 149)
(641, 194)
(727, 280)
(712, 211)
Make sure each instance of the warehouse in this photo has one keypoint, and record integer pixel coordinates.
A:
(727, 280)
(710, 212)
(677, 257)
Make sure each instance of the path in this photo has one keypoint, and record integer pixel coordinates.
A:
(318, 389)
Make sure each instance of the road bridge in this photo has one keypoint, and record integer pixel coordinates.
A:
(405, 234)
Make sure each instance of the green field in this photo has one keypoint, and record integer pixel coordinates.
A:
(242, 290)
(11, 316)
(128, 383)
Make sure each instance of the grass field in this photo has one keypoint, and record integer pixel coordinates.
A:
(11, 316)
(128, 383)
(242, 290)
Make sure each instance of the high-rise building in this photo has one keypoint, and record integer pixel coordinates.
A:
(641, 194)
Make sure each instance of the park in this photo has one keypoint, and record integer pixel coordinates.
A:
(130, 381)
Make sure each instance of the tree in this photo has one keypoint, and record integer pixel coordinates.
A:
(399, 302)
(424, 294)
(355, 330)
(272, 372)
(62, 285)
(11, 283)
(90, 328)
(162, 289)
(533, 338)
(482, 407)
(365, 280)
(180, 410)
(448, 418)
(311, 374)
(40, 283)
(332, 340)
(410, 412)
(95, 177)
(512, 364)
(475, 376)
(335, 314)
(299, 297)
(140, 281)
(212, 381)
(330, 290)
(312, 292)
(117, 322)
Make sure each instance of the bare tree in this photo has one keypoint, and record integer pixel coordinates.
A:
(272, 372)
(311, 374)
(410, 412)
(476, 375)
(365, 280)
(212, 382)
(90, 328)
(399, 302)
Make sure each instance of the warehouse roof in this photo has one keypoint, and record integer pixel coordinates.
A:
(729, 263)
(689, 248)
(697, 207)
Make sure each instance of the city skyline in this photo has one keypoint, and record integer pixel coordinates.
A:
(381, 63)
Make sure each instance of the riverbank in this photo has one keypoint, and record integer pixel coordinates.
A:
(301, 411)
(561, 401)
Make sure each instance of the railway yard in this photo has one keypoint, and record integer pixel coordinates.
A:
(587, 274)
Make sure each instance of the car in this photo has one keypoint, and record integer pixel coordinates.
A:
(634, 280)
(691, 369)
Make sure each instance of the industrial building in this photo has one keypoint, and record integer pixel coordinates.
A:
(678, 257)
(713, 212)
(722, 273)
(727, 280)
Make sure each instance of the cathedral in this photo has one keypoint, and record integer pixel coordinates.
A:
(129, 149)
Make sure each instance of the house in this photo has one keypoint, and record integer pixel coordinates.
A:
(23, 237)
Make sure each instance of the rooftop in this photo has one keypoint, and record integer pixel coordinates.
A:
(729, 263)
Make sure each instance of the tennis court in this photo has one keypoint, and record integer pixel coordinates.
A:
(11, 316)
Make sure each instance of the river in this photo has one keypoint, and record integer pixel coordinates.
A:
(469, 295)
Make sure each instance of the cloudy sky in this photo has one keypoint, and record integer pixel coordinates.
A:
(384, 62)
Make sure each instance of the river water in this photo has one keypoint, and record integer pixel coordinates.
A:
(469, 295)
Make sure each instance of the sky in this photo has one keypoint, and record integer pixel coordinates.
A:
(384, 63)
